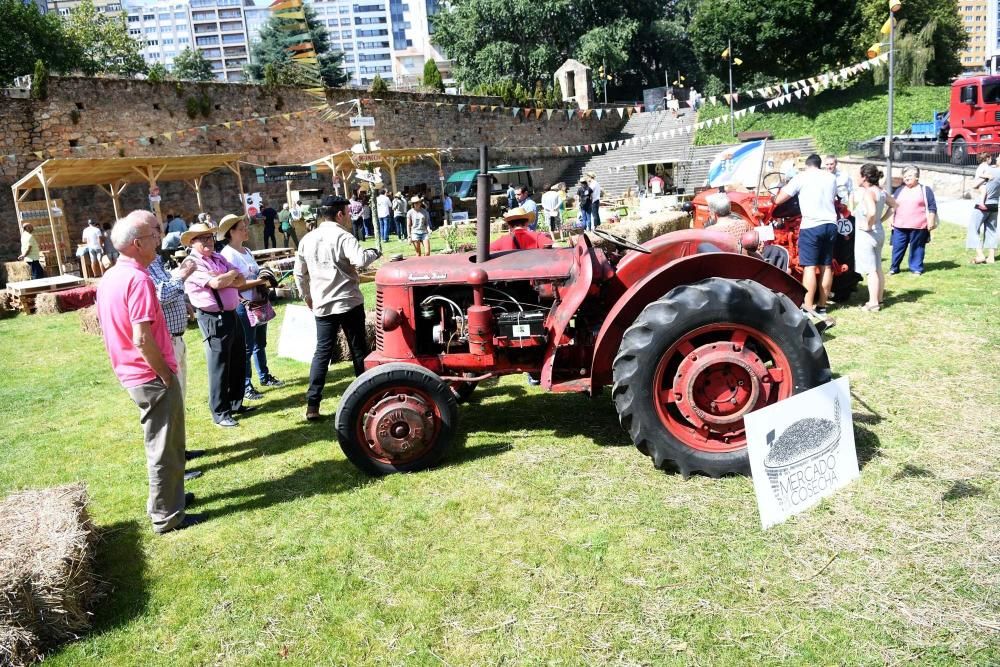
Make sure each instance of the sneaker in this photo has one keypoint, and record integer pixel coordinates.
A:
(271, 381)
(252, 394)
(313, 414)
(227, 422)
(192, 474)
(188, 521)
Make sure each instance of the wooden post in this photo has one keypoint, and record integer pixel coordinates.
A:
(17, 209)
(196, 186)
(52, 223)
(288, 193)
(390, 163)
(235, 168)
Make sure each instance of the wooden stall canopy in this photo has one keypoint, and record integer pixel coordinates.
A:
(113, 175)
(341, 164)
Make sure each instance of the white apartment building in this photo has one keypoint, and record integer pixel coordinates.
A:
(359, 28)
(411, 41)
(62, 7)
(163, 29)
(219, 31)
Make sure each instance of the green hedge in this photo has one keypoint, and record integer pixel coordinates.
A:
(834, 117)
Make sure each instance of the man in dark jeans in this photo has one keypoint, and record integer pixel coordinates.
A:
(326, 273)
(270, 215)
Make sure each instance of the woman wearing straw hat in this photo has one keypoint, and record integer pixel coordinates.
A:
(418, 226)
(233, 228)
(213, 289)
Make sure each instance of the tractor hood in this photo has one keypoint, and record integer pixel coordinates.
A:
(543, 264)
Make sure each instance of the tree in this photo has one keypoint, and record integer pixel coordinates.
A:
(104, 42)
(192, 65)
(26, 36)
(527, 40)
(271, 49)
(378, 86)
(947, 39)
(777, 40)
(432, 76)
(40, 81)
(157, 73)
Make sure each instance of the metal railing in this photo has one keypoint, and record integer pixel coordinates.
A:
(960, 157)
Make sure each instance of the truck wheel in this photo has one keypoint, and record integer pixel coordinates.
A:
(396, 418)
(959, 152)
(703, 356)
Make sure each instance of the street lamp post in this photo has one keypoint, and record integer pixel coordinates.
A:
(894, 6)
(732, 116)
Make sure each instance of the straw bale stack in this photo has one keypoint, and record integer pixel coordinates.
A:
(16, 272)
(88, 321)
(8, 308)
(47, 581)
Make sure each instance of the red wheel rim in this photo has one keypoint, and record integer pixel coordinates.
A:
(714, 375)
(398, 425)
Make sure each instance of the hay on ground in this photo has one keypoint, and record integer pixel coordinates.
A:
(88, 321)
(46, 570)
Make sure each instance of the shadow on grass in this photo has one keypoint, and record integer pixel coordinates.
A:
(867, 445)
(909, 470)
(907, 296)
(962, 489)
(121, 567)
(941, 265)
(320, 478)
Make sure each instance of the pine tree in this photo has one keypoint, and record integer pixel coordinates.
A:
(432, 77)
(378, 86)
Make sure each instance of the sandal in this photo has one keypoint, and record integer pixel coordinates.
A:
(977, 260)
(870, 307)
(313, 415)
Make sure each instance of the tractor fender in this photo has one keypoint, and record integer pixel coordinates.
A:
(686, 270)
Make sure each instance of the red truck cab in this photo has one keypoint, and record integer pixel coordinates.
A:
(975, 117)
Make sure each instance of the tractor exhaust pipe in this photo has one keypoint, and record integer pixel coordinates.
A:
(483, 187)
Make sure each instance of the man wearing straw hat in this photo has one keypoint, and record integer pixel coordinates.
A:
(138, 343)
(520, 236)
(214, 290)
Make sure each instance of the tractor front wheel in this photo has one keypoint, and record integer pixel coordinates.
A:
(698, 360)
(396, 418)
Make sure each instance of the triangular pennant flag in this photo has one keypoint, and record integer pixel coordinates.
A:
(752, 108)
(548, 114)
(711, 100)
(798, 94)
(638, 108)
(494, 108)
(600, 114)
(538, 113)
(286, 116)
(736, 98)
(569, 114)
(168, 136)
(621, 112)
(515, 112)
(461, 107)
(39, 154)
(263, 120)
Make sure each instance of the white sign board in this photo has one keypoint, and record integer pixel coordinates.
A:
(801, 450)
(362, 121)
(298, 334)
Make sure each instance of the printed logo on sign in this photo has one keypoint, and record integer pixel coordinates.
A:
(424, 277)
(522, 331)
(801, 450)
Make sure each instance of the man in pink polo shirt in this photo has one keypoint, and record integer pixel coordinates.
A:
(138, 343)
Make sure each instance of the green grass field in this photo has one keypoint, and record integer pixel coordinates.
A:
(547, 538)
(833, 117)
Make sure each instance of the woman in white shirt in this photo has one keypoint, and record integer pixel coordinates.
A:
(233, 228)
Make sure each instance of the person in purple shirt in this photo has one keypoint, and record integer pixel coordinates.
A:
(214, 290)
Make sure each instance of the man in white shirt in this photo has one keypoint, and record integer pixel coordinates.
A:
(845, 185)
(383, 207)
(595, 202)
(529, 205)
(94, 248)
(326, 274)
(551, 203)
(817, 232)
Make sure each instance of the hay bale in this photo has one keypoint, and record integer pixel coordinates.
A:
(46, 569)
(8, 304)
(46, 304)
(88, 321)
(16, 272)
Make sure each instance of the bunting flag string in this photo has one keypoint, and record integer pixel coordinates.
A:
(826, 78)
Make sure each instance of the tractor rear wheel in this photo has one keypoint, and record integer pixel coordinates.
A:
(703, 356)
(396, 418)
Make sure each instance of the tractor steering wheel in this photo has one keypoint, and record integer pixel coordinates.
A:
(619, 241)
(772, 182)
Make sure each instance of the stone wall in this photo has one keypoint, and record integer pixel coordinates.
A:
(90, 111)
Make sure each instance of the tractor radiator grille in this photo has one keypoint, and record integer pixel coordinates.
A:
(996, 116)
(378, 321)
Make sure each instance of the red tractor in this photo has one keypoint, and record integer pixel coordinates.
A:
(758, 210)
(690, 329)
